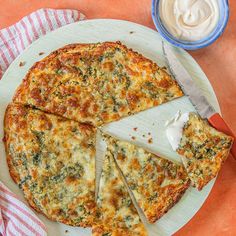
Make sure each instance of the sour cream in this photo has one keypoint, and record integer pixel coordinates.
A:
(175, 127)
(189, 20)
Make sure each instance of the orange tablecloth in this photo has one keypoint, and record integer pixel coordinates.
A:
(218, 214)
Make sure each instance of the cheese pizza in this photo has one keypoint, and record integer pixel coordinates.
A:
(203, 150)
(116, 214)
(96, 83)
(53, 161)
(157, 183)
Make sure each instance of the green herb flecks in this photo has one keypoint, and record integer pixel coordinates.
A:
(37, 159)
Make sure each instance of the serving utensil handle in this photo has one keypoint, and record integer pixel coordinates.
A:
(217, 122)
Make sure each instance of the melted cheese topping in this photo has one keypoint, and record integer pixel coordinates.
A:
(203, 149)
(156, 183)
(117, 215)
(96, 83)
(53, 162)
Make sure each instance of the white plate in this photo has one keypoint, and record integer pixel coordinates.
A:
(147, 42)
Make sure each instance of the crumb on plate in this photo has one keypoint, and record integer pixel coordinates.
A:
(22, 63)
(150, 140)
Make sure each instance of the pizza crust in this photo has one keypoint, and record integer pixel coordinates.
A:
(48, 168)
(116, 214)
(87, 86)
(96, 83)
(157, 183)
(203, 150)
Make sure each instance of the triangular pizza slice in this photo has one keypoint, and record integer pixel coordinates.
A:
(52, 159)
(116, 214)
(203, 150)
(156, 183)
(96, 83)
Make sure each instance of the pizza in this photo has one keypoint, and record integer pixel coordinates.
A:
(52, 159)
(203, 150)
(157, 183)
(96, 83)
(50, 138)
(116, 214)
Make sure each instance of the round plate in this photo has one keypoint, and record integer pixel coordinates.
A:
(150, 123)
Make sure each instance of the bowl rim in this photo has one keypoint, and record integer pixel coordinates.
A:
(195, 44)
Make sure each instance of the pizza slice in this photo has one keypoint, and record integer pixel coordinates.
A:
(96, 83)
(116, 214)
(52, 159)
(157, 183)
(203, 150)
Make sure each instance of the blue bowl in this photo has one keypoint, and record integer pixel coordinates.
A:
(219, 29)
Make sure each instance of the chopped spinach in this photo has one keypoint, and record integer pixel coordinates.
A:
(106, 234)
(126, 202)
(81, 208)
(59, 71)
(128, 82)
(149, 84)
(153, 197)
(40, 137)
(128, 221)
(24, 180)
(132, 186)
(75, 171)
(100, 58)
(78, 70)
(37, 159)
(57, 178)
(109, 55)
(79, 219)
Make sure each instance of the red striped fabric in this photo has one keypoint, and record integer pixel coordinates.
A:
(16, 219)
(7, 200)
(14, 39)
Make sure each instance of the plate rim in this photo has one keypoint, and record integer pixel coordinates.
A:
(186, 54)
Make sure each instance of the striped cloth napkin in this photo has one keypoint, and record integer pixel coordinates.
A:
(14, 39)
(16, 219)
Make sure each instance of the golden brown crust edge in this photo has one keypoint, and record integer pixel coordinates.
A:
(177, 196)
(12, 170)
(156, 214)
(13, 173)
(25, 83)
(16, 178)
(203, 183)
(220, 158)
